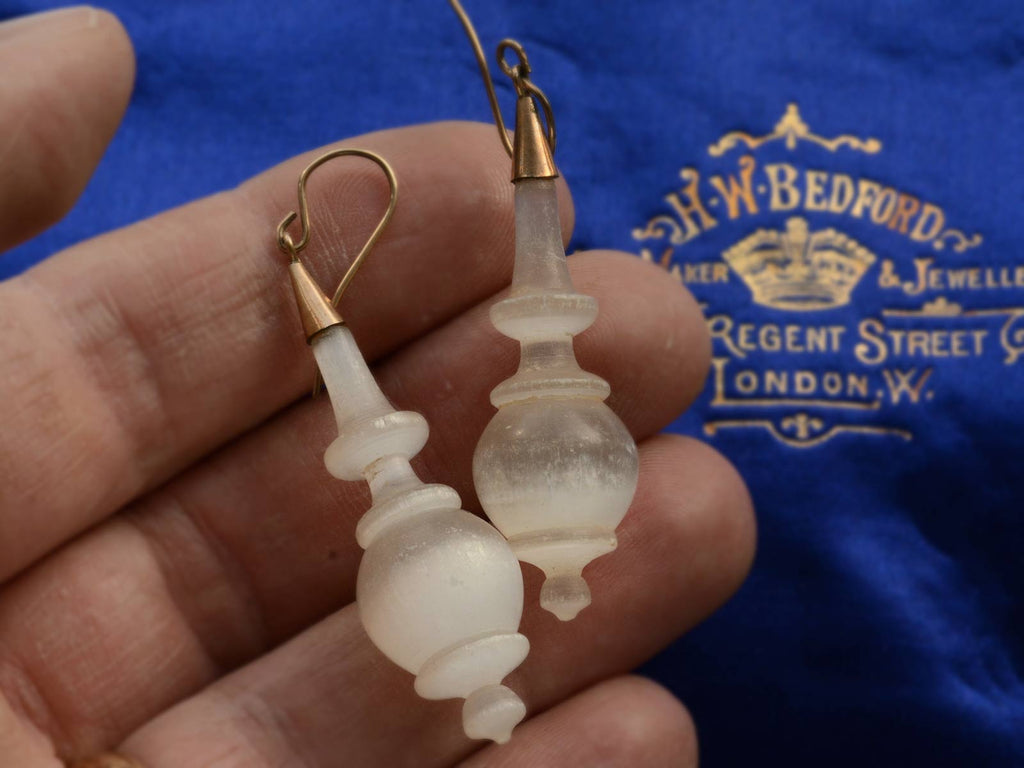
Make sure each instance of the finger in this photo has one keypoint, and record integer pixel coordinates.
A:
(22, 744)
(626, 722)
(245, 550)
(67, 76)
(686, 545)
(132, 355)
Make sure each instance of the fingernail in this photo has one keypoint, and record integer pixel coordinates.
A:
(21, 24)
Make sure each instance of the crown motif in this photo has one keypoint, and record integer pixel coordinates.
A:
(798, 269)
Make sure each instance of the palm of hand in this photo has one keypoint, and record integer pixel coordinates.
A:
(178, 569)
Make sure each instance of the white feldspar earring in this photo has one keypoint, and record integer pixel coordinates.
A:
(555, 469)
(439, 591)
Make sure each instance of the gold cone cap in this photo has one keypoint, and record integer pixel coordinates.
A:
(315, 309)
(531, 154)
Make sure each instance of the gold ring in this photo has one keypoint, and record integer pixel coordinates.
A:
(107, 760)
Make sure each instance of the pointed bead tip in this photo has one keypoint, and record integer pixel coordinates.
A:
(492, 713)
(565, 595)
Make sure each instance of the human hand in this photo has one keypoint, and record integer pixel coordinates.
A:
(178, 568)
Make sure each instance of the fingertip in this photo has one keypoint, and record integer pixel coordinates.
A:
(71, 73)
(119, 51)
(652, 720)
(709, 502)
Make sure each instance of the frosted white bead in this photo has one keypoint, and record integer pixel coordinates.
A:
(555, 469)
(439, 591)
(492, 713)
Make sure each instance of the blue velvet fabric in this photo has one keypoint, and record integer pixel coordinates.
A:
(867, 379)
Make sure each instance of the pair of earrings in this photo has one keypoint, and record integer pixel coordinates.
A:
(439, 590)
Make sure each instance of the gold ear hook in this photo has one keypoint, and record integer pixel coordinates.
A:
(292, 249)
(316, 311)
(534, 144)
(520, 76)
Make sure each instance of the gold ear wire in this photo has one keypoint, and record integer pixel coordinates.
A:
(315, 310)
(292, 249)
(534, 143)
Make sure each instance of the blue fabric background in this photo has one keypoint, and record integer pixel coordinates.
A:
(883, 622)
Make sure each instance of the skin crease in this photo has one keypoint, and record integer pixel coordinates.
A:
(177, 571)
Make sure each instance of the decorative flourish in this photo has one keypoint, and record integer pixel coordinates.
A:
(941, 307)
(659, 227)
(807, 431)
(792, 129)
(802, 425)
(962, 241)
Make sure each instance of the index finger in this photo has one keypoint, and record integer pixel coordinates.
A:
(132, 355)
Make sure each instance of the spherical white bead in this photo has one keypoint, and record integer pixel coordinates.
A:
(435, 581)
(556, 477)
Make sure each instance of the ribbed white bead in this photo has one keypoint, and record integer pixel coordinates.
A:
(439, 591)
(555, 469)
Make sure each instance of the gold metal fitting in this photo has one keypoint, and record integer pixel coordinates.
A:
(315, 309)
(107, 760)
(318, 313)
(532, 152)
